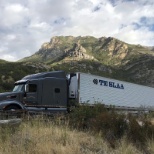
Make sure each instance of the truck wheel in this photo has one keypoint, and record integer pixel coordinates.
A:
(15, 111)
(12, 108)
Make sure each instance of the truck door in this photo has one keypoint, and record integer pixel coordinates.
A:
(32, 93)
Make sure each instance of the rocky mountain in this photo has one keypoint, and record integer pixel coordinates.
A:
(109, 51)
(104, 56)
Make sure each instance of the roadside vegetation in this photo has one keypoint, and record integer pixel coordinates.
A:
(10, 72)
(86, 130)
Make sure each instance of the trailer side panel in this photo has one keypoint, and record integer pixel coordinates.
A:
(96, 89)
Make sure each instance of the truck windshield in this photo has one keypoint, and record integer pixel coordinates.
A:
(18, 87)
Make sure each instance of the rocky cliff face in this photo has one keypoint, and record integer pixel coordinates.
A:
(61, 48)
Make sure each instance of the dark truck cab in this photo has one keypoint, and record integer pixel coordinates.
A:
(42, 91)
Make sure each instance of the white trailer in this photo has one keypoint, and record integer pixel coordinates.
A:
(91, 89)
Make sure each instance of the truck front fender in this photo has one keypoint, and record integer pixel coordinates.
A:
(7, 103)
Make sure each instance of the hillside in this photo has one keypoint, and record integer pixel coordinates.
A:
(13, 71)
(108, 57)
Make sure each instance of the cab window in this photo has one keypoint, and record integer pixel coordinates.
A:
(32, 88)
(18, 88)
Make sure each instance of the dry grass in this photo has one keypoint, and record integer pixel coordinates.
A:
(40, 137)
(124, 147)
(152, 121)
(150, 145)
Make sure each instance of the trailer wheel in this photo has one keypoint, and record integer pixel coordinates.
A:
(13, 111)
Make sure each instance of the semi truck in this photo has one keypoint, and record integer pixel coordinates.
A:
(57, 92)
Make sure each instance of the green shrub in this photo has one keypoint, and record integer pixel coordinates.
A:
(140, 130)
(112, 125)
(82, 116)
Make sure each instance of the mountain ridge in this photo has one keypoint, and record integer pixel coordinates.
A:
(88, 47)
(105, 56)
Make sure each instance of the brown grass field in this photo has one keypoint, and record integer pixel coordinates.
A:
(44, 136)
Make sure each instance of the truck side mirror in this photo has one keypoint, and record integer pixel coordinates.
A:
(26, 88)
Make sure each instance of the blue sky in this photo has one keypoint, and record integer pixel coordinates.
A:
(26, 25)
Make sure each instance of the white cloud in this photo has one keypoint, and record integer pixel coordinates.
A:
(15, 8)
(25, 25)
(8, 57)
(11, 37)
(139, 36)
(13, 14)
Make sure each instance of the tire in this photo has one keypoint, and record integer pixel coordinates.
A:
(12, 107)
(13, 111)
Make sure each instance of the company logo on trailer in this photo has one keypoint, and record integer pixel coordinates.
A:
(108, 84)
